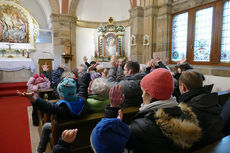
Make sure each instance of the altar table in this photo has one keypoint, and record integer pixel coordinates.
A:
(15, 64)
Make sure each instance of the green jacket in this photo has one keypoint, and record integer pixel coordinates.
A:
(97, 103)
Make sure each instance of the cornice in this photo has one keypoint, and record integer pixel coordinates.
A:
(63, 18)
(95, 25)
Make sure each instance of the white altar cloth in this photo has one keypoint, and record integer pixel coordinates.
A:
(15, 64)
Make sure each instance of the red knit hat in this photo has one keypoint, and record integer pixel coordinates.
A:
(158, 84)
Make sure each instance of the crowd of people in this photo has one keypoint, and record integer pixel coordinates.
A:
(177, 113)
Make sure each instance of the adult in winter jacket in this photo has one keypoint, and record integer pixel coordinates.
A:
(98, 95)
(70, 105)
(161, 125)
(130, 82)
(204, 104)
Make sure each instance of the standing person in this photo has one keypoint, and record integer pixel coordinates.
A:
(204, 104)
(130, 82)
(161, 125)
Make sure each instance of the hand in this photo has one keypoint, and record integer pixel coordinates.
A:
(69, 135)
(29, 95)
(183, 60)
(92, 67)
(85, 59)
(120, 114)
(113, 61)
(45, 67)
(149, 64)
(116, 97)
(120, 62)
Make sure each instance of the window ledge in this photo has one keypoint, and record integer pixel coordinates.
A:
(210, 70)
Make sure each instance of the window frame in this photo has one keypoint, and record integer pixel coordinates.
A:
(216, 36)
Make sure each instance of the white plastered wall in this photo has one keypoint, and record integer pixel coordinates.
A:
(87, 43)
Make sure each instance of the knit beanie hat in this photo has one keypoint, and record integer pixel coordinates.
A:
(67, 89)
(158, 84)
(110, 136)
(39, 80)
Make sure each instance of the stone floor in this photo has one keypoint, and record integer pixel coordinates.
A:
(34, 134)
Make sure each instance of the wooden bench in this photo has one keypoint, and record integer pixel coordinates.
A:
(43, 117)
(85, 126)
(220, 146)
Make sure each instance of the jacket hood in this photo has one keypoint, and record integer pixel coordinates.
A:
(183, 132)
(202, 100)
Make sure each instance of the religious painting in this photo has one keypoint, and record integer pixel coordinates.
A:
(146, 40)
(110, 41)
(13, 25)
(18, 29)
(133, 40)
(110, 45)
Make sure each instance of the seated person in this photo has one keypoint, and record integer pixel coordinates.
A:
(110, 135)
(64, 143)
(56, 78)
(161, 125)
(47, 72)
(98, 95)
(204, 104)
(35, 84)
(130, 82)
(225, 114)
(70, 105)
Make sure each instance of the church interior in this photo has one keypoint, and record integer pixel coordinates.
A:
(46, 35)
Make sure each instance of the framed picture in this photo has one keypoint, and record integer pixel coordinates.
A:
(110, 41)
(146, 39)
(133, 40)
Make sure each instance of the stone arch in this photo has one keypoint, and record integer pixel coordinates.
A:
(73, 7)
(54, 4)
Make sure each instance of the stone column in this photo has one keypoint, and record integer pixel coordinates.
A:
(64, 28)
(162, 32)
(150, 16)
(136, 29)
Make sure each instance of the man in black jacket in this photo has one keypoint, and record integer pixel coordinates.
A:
(204, 104)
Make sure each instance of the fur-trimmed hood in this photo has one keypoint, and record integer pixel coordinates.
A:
(183, 132)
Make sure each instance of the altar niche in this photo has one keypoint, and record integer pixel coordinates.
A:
(110, 41)
(18, 29)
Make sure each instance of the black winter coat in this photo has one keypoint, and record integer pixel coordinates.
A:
(162, 130)
(205, 105)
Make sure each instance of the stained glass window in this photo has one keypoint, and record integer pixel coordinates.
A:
(203, 35)
(179, 36)
(225, 43)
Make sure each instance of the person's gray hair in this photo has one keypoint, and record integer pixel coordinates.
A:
(67, 75)
(100, 86)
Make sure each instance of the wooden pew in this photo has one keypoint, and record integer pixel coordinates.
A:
(223, 96)
(43, 117)
(220, 146)
(85, 126)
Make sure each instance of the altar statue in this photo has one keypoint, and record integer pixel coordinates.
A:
(67, 47)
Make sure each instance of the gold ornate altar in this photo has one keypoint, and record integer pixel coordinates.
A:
(110, 41)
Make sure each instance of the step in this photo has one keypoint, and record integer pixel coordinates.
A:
(5, 93)
(12, 85)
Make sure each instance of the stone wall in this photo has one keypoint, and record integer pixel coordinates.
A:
(64, 28)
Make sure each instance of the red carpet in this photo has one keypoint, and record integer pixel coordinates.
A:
(14, 125)
(9, 89)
